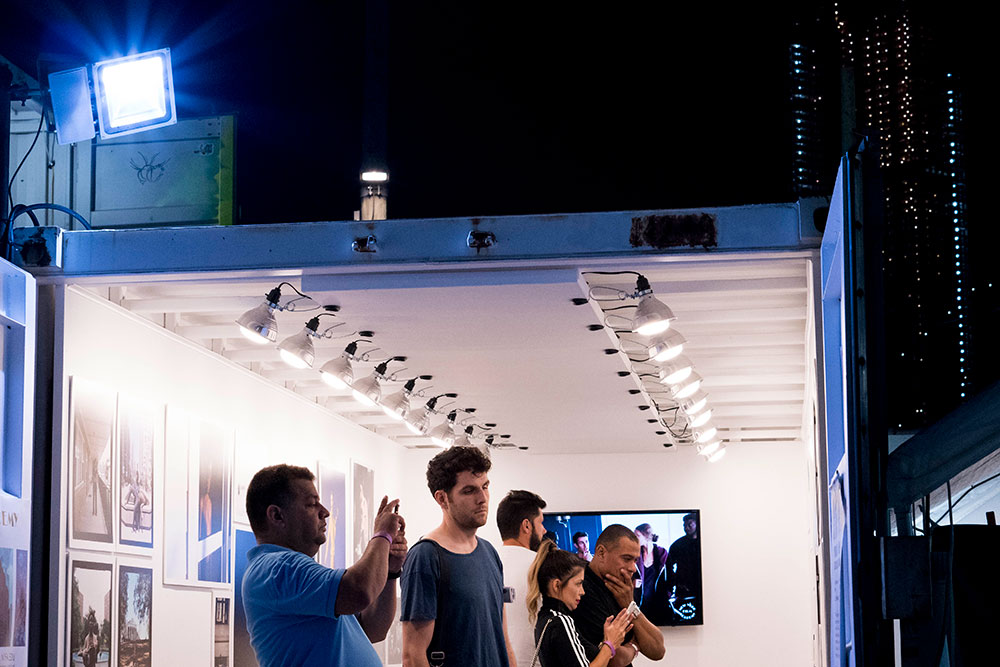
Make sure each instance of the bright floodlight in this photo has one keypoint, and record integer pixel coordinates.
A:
(375, 176)
(134, 93)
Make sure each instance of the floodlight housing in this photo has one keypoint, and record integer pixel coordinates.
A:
(134, 93)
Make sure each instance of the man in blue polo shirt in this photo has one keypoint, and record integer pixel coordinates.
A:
(298, 611)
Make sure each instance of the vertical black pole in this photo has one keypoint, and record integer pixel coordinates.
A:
(6, 78)
(376, 85)
(867, 443)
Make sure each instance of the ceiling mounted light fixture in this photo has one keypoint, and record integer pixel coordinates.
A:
(676, 371)
(717, 454)
(258, 323)
(420, 424)
(298, 351)
(694, 403)
(705, 435)
(710, 448)
(686, 387)
(443, 435)
(367, 390)
(338, 372)
(397, 405)
(701, 418)
(668, 346)
(652, 316)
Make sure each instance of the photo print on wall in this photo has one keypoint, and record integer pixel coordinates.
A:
(364, 511)
(333, 493)
(137, 425)
(8, 595)
(197, 481)
(90, 615)
(92, 421)
(135, 616)
(220, 650)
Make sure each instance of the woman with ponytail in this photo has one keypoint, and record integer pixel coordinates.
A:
(555, 586)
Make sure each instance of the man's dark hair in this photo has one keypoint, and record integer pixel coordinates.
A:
(693, 516)
(578, 534)
(443, 469)
(609, 536)
(271, 486)
(514, 508)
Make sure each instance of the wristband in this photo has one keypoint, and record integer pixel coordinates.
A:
(608, 644)
(634, 648)
(395, 575)
(386, 536)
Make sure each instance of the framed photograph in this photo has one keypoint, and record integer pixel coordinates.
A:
(333, 493)
(139, 427)
(89, 641)
(92, 429)
(8, 595)
(197, 495)
(250, 456)
(135, 616)
(363, 481)
(242, 652)
(220, 643)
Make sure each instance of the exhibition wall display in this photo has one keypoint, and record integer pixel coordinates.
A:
(155, 470)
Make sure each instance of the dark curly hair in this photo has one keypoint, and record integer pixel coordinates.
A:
(271, 486)
(443, 469)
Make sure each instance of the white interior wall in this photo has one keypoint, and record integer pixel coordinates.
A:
(108, 345)
(758, 518)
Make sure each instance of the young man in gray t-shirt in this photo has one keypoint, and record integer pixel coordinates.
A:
(452, 583)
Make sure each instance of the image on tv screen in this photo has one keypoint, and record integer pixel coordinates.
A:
(668, 575)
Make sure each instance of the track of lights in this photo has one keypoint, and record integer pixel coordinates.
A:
(260, 326)
(655, 348)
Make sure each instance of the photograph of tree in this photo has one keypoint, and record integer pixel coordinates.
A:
(7, 592)
(21, 599)
(364, 512)
(137, 422)
(333, 492)
(92, 430)
(90, 615)
(135, 614)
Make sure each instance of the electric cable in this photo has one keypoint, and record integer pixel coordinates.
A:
(10, 185)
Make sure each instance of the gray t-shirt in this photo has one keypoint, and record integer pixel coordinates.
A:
(469, 625)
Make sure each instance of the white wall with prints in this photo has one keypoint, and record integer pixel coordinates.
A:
(207, 401)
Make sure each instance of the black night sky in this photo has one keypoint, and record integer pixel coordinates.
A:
(492, 109)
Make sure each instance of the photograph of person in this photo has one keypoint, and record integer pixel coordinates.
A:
(667, 575)
(136, 431)
(364, 482)
(333, 490)
(90, 615)
(135, 602)
(212, 510)
(92, 429)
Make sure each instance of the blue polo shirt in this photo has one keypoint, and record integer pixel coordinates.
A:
(289, 600)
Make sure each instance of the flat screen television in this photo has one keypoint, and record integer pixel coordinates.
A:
(668, 577)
